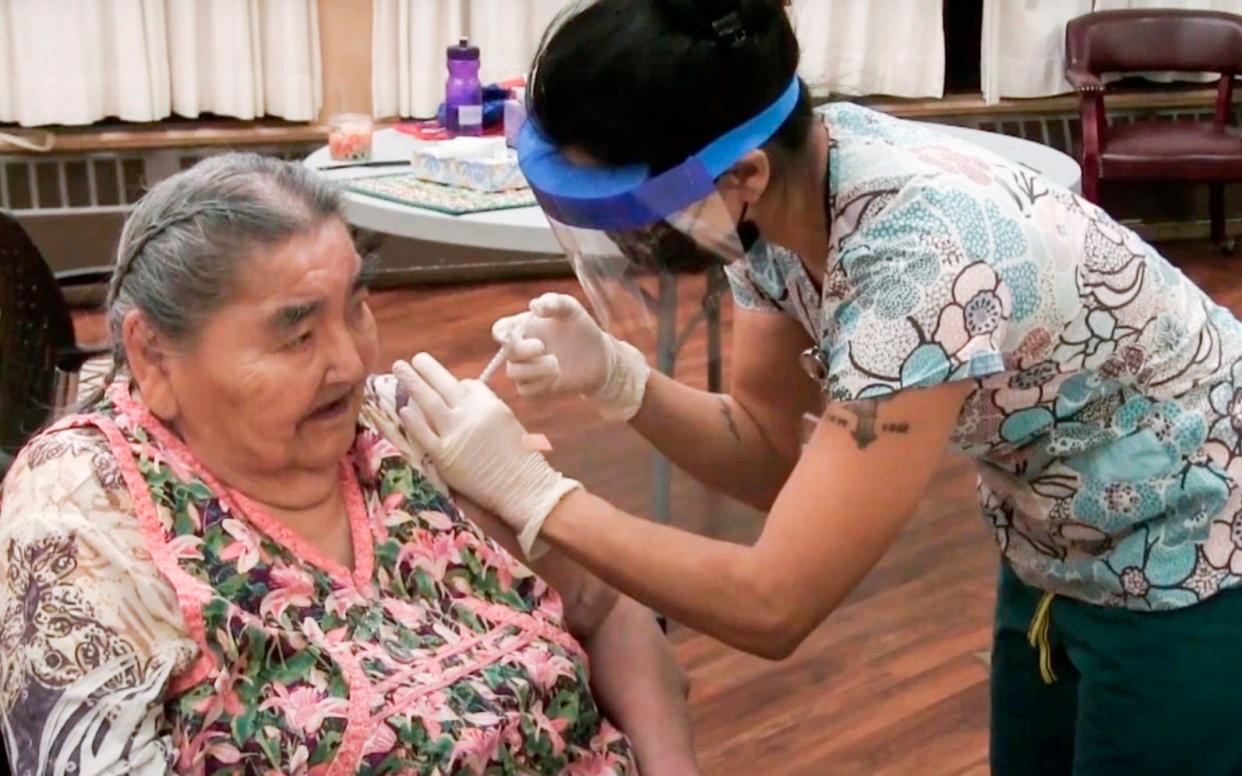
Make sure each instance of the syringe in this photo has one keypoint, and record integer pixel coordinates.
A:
(511, 338)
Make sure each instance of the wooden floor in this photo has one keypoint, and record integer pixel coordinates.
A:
(896, 681)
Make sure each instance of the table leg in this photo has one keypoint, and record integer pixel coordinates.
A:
(668, 345)
(666, 361)
(716, 284)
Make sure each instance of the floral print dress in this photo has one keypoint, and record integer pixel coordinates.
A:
(152, 620)
(1108, 406)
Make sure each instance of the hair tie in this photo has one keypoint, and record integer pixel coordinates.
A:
(729, 29)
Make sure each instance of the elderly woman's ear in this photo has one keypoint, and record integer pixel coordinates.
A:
(148, 352)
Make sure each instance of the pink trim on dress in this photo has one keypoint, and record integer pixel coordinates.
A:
(359, 727)
(444, 653)
(359, 526)
(191, 593)
(525, 622)
(451, 677)
(245, 507)
(285, 536)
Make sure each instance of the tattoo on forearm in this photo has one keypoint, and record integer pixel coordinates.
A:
(727, 411)
(861, 419)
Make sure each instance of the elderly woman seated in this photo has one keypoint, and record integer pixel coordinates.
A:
(234, 561)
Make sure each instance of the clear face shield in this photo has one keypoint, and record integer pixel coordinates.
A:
(624, 273)
(627, 233)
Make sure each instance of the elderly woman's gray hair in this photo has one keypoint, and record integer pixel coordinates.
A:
(186, 239)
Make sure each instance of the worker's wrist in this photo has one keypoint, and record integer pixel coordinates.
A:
(529, 535)
(625, 383)
(560, 525)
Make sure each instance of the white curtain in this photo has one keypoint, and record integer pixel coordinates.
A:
(77, 61)
(409, 38)
(80, 61)
(292, 68)
(245, 58)
(1023, 46)
(893, 47)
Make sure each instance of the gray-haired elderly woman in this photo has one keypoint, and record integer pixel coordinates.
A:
(236, 562)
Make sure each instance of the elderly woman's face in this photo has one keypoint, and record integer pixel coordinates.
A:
(274, 380)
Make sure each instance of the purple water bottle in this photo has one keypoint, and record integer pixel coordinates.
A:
(463, 94)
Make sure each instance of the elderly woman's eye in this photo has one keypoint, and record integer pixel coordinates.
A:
(299, 340)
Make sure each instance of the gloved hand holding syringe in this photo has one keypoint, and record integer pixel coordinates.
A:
(557, 349)
(534, 442)
(474, 438)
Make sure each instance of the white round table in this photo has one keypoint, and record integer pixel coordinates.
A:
(1058, 167)
(525, 230)
(521, 230)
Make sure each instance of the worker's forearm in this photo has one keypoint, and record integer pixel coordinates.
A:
(714, 439)
(724, 597)
(642, 688)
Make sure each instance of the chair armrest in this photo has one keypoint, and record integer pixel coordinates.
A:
(84, 277)
(1084, 81)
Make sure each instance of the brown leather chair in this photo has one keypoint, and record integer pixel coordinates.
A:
(1167, 40)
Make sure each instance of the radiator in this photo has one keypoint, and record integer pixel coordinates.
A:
(102, 182)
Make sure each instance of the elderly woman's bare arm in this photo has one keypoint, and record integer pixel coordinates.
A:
(643, 688)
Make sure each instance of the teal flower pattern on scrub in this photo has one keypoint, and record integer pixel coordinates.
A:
(1107, 421)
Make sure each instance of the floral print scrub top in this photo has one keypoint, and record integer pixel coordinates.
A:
(152, 620)
(1108, 410)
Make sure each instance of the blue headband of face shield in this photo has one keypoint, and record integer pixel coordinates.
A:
(622, 198)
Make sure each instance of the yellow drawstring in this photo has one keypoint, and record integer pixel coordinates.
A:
(1037, 635)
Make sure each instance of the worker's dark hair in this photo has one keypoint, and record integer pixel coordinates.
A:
(654, 81)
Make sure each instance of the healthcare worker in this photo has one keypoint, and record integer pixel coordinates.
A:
(940, 298)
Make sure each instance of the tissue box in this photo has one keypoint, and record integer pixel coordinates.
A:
(486, 166)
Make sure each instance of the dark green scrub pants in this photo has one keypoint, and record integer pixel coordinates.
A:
(1135, 692)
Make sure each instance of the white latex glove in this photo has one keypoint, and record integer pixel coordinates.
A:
(476, 443)
(560, 350)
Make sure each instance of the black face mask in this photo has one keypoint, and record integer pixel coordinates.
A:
(747, 231)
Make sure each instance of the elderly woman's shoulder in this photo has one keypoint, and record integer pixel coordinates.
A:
(383, 399)
(65, 493)
(71, 467)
